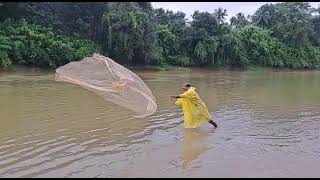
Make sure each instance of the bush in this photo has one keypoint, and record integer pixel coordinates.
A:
(34, 45)
(4, 60)
(179, 60)
(264, 50)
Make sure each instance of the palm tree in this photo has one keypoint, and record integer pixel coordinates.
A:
(220, 14)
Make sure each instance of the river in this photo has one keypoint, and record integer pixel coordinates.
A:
(269, 126)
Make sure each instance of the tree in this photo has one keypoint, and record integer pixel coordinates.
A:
(206, 22)
(239, 21)
(289, 21)
(34, 45)
(221, 14)
(129, 33)
(50, 34)
(200, 52)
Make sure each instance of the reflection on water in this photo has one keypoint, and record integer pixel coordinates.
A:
(269, 126)
(194, 144)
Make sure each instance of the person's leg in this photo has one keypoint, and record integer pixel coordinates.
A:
(213, 123)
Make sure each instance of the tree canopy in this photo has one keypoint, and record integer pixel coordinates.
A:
(51, 34)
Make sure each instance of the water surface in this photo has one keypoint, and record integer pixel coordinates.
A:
(269, 126)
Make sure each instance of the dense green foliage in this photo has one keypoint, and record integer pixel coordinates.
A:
(52, 34)
(34, 45)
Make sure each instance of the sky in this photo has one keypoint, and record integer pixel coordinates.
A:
(248, 8)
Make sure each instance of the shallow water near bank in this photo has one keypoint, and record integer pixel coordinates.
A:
(269, 126)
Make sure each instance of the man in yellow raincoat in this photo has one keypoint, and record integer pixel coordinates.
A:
(194, 109)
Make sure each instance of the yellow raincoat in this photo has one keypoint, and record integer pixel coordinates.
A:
(194, 109)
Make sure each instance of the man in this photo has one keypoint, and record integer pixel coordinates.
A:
(194, 109)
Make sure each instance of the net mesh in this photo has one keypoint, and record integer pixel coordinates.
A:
(111, 81)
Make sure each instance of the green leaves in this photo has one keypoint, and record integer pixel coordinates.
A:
(277, 35)
(289, 21)
(200, 52)
(4, 60)
(239, 21)
(34, 45)
(129, 34)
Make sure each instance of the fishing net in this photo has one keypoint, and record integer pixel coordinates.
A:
(111, 81)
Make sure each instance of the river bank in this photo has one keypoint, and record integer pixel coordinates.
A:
(28, 69)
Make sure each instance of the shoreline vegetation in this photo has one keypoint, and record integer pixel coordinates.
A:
(285, 36)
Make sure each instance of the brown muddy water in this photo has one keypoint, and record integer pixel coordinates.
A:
(269, 126)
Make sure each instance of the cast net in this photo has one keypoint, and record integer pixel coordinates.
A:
(111, 81)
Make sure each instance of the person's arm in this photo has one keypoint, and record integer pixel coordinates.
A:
(183, 95)
(175, 96)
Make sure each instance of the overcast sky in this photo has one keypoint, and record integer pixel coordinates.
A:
(248, 8)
